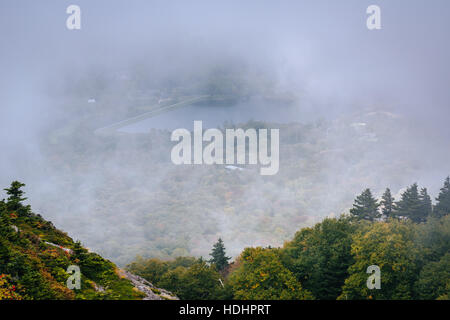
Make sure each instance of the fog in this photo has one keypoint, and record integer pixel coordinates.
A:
(316, 59)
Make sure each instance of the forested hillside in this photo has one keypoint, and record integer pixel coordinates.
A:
(408, 239)
(124, 197)
(35, 258)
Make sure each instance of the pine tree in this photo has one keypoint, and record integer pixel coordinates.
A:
(14, 192)
(442, 207)
(15, 199)
(410, 205)
(218, 256)
(427, 206)
(387, 203)
(365, 206)
(15, 195)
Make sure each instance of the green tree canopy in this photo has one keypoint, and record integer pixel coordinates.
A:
(320, 256)
(434, 280)
(261, 275)
(391, 247)
(199, 281)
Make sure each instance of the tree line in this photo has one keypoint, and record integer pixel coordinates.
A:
(408, 239)
(414, 204)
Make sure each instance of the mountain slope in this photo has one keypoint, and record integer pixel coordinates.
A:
(35, 258)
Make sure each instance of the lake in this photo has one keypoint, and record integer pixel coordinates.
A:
(214, 116)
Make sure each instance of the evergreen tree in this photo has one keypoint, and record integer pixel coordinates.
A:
(387, 203)
(442, 207)
(14, 201)
(14, 192)
(410, 205)
(365, 206)
(218, 255)
(427, 206)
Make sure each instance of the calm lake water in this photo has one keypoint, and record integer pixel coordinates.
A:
(214, 116)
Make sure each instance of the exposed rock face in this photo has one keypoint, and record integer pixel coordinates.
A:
(61, 247)
(151, 292)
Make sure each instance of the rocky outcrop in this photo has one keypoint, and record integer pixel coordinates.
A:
(151, 292)
(60, 247)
